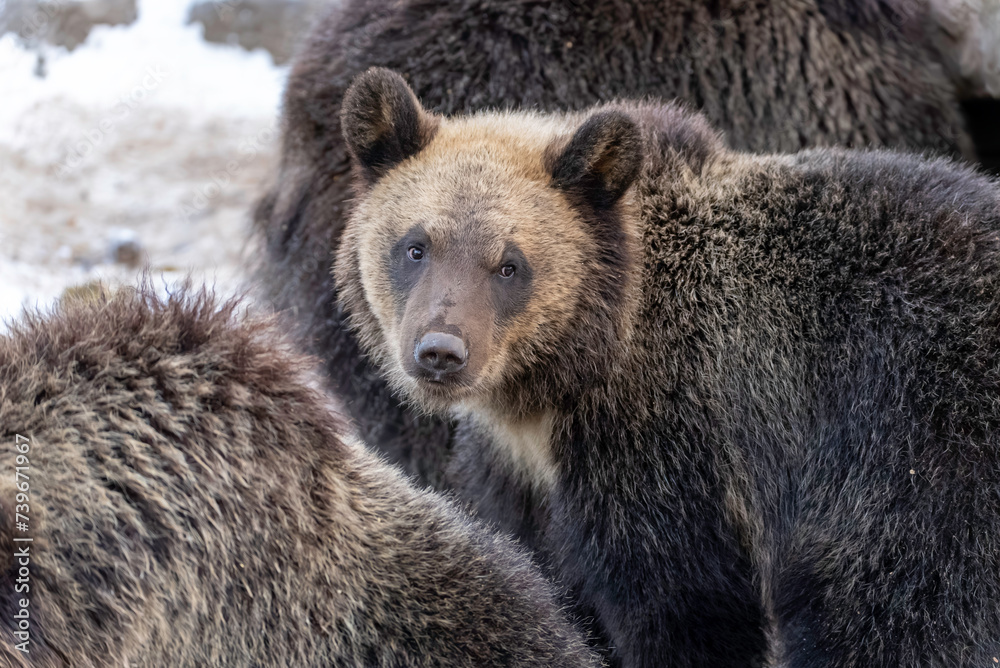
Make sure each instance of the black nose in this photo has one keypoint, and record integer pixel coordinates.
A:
(441, 353)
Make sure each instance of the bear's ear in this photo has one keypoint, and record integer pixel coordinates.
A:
(383, 122)
(601, 160)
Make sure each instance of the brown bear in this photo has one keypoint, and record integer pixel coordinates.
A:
(176, 492)
(773, 75)
(758, 396)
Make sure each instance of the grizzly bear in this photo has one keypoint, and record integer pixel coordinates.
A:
(775, 75)
(757, 396)
(176, 492)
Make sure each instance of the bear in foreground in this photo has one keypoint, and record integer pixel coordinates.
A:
(192, 501)
(757, 396)
(779, 75)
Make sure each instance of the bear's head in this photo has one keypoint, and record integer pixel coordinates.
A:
(487, 257)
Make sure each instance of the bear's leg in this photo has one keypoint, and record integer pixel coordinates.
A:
(886, 588)
(681, 594)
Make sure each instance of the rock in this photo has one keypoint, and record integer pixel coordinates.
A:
(62, 22)
(124, 247)
(275, 25)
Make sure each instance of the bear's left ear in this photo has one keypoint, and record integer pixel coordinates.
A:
(601, 160)
(383, 122)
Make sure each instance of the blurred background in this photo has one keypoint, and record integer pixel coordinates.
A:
(134, 132)
(141, 131)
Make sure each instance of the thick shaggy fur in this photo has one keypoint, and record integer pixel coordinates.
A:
(194, 503)
(773, 400)
(775, 75)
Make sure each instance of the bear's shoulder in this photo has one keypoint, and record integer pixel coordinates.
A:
(673, 135)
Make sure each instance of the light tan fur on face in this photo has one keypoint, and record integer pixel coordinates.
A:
(526, 442)
(495, 163)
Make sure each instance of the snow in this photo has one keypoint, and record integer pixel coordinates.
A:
(144, 134)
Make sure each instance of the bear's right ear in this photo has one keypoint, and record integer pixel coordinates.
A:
(383, 122)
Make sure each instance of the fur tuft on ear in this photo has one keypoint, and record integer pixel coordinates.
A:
(601, 160)
(383, 122)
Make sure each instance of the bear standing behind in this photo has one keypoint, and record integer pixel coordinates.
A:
(758, 395)
(190, 501)
(773, 75)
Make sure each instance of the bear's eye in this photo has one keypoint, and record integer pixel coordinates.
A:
(415, 253)
(507, 270)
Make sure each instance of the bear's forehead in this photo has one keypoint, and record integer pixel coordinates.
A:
(487, 156)
(483, 218)
(465, 190)
(477, 169)
(513, 137)
(488, 151)
(481, 181)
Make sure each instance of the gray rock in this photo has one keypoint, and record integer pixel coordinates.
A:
(125, 248)
(275, 25)
(62, 22)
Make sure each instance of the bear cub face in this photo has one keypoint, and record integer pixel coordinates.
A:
(471, 237)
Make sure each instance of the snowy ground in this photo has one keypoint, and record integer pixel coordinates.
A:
(145, 137)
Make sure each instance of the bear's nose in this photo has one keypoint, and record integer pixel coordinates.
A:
(441, 353)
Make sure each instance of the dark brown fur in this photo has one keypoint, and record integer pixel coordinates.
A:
(773, 75)
(771, 428)
(193, 503)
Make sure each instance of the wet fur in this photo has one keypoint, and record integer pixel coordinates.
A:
(779, 75)
(786, 448)
(194, 502)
